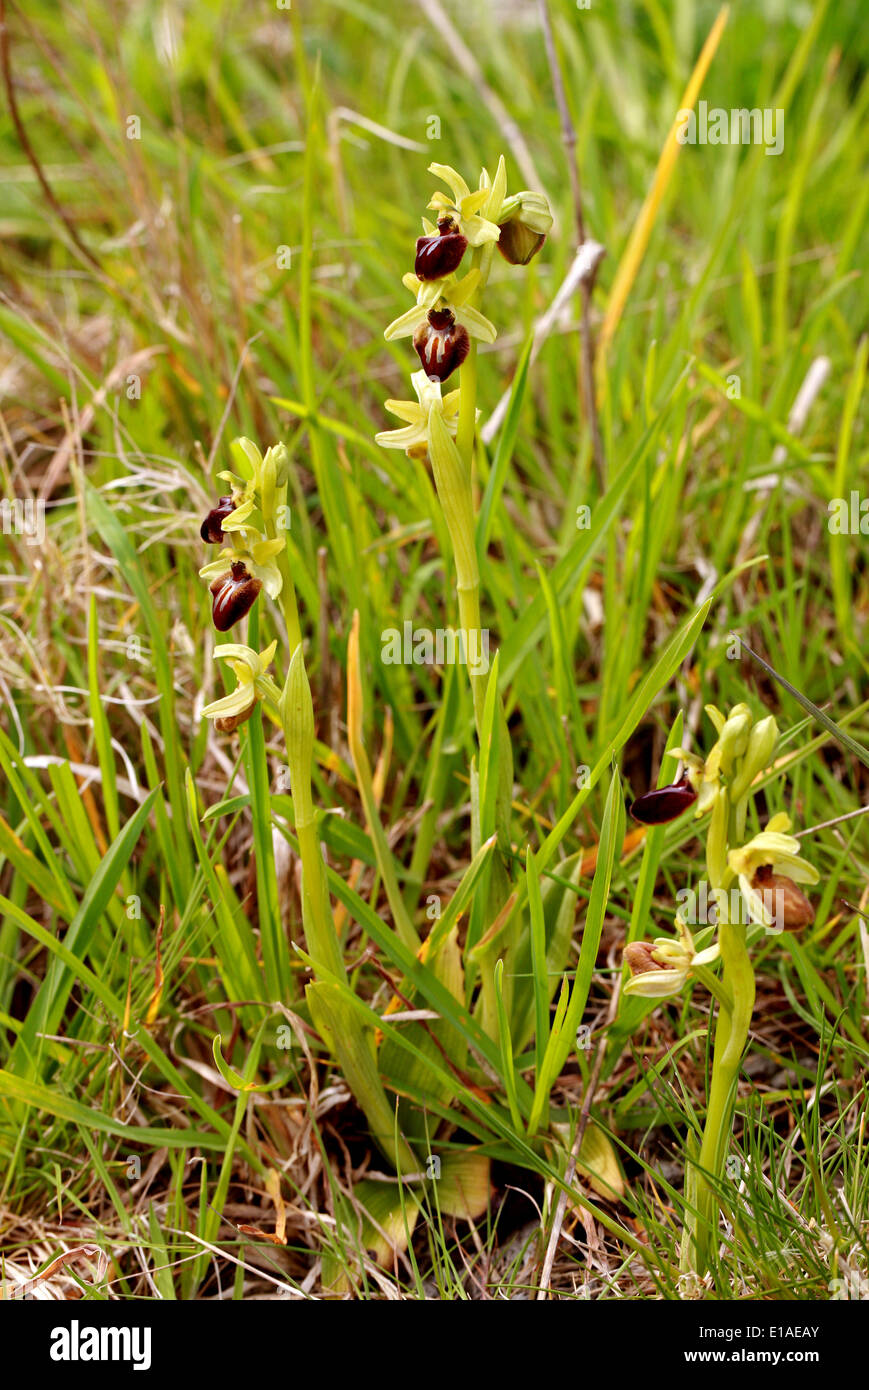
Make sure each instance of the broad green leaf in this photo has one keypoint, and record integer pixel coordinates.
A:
(598, 1161)
(377, 1225)
(436, 1039)
(464, 1185)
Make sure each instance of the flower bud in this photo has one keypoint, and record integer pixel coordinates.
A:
(280, 455)
(734, 736)
(441, 344)
(761, 745)
(438, 256)
(664, 803)
(211, 529)
(789, 907)
(234, 594)
(525, 221)
(267, 484)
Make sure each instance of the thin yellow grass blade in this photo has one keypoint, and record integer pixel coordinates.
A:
(633, 253)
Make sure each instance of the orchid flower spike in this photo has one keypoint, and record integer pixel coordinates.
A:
(248, 562)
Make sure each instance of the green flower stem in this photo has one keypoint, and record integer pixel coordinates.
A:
(467, 426)
(256, 760)
(453, 484)
(288, 605)
(469, 622)
(468, 584)
(731, 1035)
(716, 842)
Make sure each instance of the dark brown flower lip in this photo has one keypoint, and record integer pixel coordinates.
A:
(441, 344)
(640, 960)
(211, 529)
(664, 804)
(233, 595)
(789, 907)
(441, 254)
(228, 723)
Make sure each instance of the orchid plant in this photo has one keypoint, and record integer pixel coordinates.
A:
(253, 559)
(756, 888)
(446, 324)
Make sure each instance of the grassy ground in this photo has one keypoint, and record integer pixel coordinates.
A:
(202, 236)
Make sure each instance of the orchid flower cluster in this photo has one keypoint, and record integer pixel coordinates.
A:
(764, 874)
(768, 868)
(444, 321)
(252, 558)
(446, 324)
